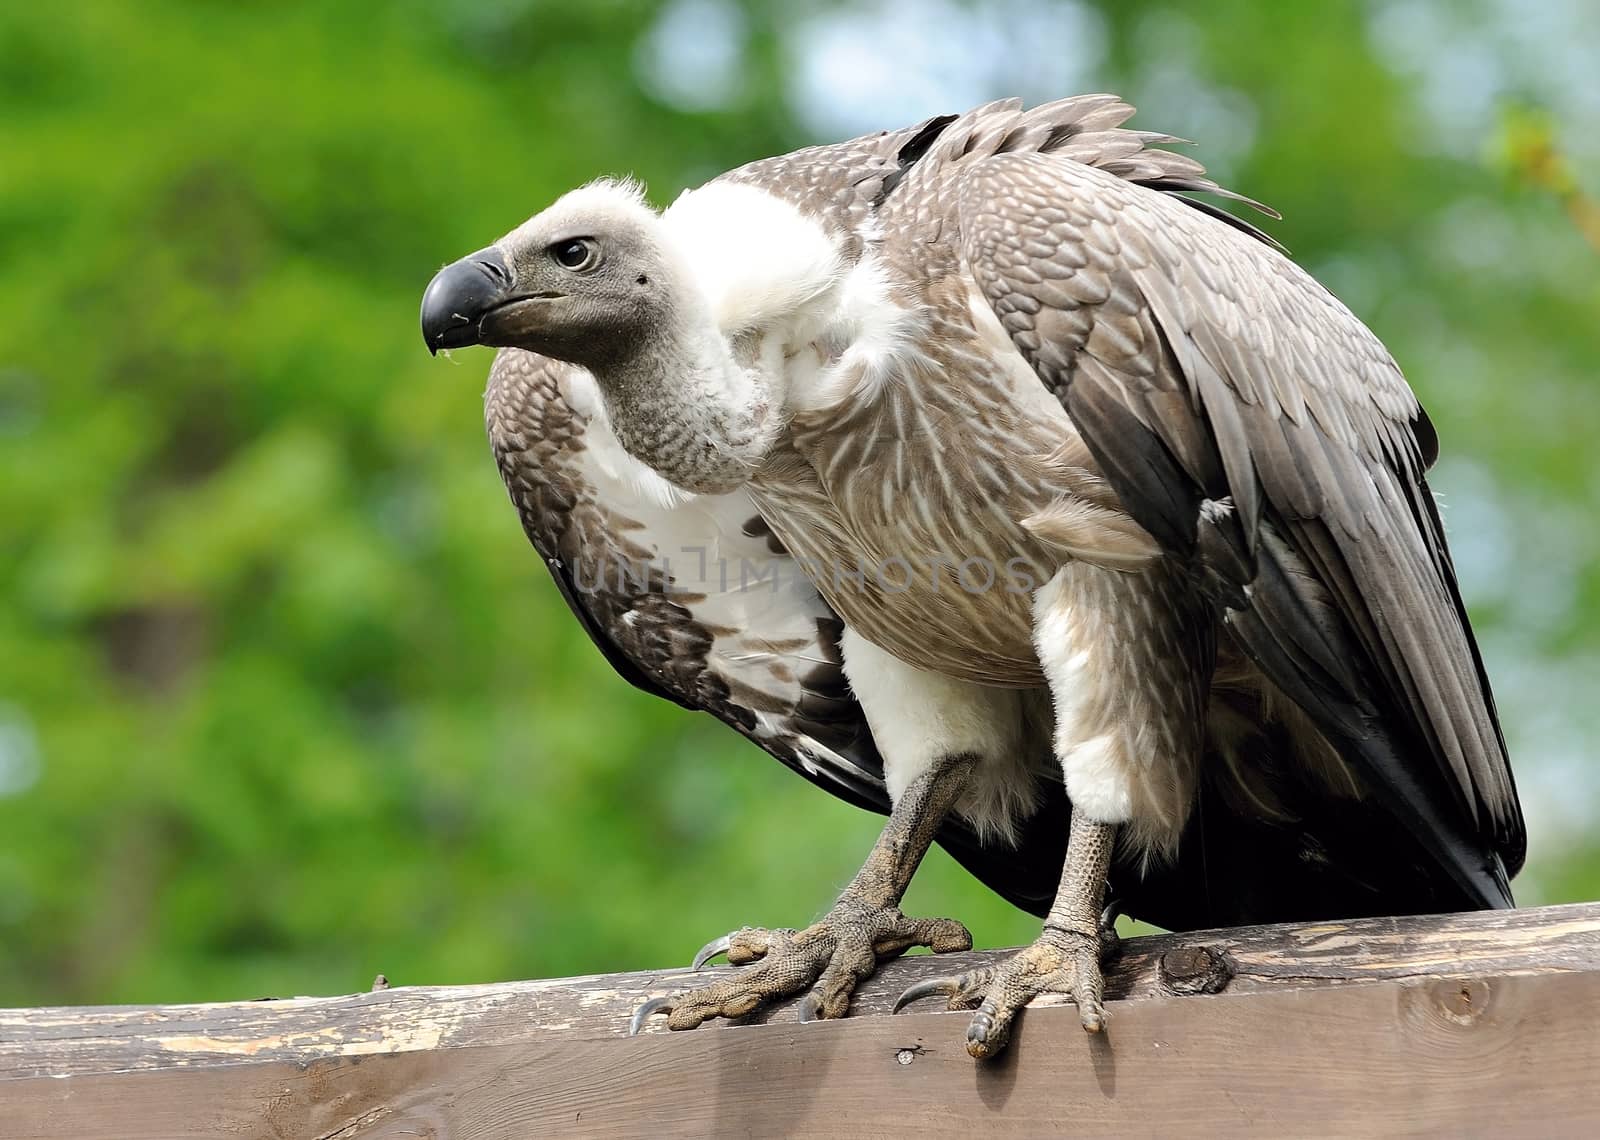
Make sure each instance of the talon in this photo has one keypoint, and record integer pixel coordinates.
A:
(1110, 940)
(925, 988)
(710, 950)
(810, 1008)
(642, 1014)
(1109, 915)
(982, 1023)
(987, 1034)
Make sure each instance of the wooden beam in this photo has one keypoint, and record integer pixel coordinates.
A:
(1471, 1024)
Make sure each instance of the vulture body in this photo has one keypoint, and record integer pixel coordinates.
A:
(987, 479)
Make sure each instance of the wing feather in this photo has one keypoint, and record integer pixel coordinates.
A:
(1261, 387)
(666, 586)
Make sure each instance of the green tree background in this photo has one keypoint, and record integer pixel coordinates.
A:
(285, 700)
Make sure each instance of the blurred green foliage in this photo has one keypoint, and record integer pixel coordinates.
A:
(285, 700)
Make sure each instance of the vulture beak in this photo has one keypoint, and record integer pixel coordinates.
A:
(461, 295)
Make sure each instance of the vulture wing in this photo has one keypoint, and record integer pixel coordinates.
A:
(1253, 425)
(691, 598)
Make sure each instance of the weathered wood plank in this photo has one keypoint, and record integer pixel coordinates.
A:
(1493, 1055)
(83, 1040)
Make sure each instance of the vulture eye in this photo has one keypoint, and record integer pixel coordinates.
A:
(579, 253)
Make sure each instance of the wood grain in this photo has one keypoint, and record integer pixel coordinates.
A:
(1471, 1024)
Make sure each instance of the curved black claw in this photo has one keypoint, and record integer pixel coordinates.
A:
(1109, 916)
(962, 991)
(926, 988)
(642, 1014)
(1110, 940)
(710, 950)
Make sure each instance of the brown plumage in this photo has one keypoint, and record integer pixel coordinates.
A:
(1008, 411)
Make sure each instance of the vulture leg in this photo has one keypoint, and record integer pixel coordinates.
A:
(844, 947)
(1127, 656)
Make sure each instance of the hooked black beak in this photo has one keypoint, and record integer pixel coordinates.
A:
(458, 297)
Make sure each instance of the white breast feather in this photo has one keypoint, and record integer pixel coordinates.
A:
(878, 335)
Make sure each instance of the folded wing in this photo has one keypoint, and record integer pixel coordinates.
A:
(1249, 422)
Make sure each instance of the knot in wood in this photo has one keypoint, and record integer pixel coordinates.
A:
(1462, 1001)
(1195, 970)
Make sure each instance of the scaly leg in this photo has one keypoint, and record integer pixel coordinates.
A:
(1064, 959)
(1128, 657)
(844, 947)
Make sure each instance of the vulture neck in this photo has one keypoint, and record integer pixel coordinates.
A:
(747, 281)
(681, 403)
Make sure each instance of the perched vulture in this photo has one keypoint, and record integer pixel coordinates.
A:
(987, 479)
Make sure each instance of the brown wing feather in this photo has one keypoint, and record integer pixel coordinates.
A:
(1249, 384)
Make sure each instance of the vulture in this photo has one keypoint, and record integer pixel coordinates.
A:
(988, 478)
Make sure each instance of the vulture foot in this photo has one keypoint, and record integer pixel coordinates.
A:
(834, 954)
(1064, 959)
(1059, 962)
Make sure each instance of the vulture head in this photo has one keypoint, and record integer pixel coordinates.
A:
(587, 281)
(600, 280)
